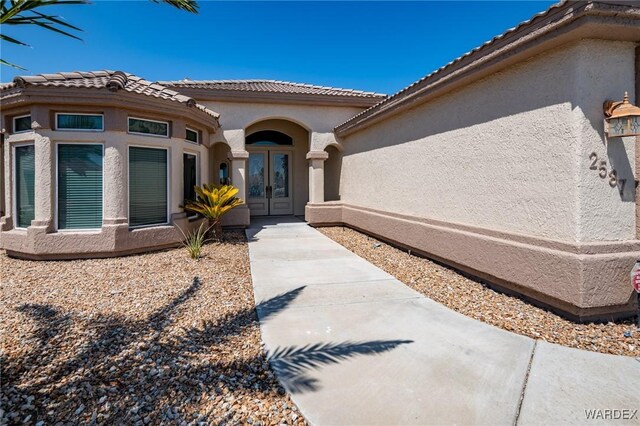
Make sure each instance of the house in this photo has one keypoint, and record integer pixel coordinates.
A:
(498, 163)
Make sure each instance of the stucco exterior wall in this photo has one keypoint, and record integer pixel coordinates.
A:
(508, 153)
(319, 120)
(605, 70)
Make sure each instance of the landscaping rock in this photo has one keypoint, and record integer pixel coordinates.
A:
(135, 340)
(476, 300)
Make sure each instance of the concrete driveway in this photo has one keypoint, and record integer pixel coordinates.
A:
(353, 345)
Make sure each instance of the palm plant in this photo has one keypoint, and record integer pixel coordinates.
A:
(213, 202)
(23, 12)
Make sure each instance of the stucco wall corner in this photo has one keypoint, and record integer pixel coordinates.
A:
(323, 214)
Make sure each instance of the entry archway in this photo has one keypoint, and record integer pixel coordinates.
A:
(277, 178)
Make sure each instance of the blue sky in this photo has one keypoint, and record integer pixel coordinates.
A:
(378, 46)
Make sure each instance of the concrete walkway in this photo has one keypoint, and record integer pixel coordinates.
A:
(353, 345)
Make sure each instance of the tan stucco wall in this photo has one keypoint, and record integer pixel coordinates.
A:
(510, 152)
(318, 120)
(494, 179)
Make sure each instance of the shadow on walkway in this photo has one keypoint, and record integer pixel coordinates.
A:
(149, 367)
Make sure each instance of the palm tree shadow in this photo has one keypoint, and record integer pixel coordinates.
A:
(148, 346)
(292, 363)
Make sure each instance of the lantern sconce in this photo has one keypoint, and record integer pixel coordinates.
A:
(622, 118)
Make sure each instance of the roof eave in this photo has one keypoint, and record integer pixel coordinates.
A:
(250, 96)
(567, 22)
(103, 97)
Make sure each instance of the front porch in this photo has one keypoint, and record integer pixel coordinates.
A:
(280, 167)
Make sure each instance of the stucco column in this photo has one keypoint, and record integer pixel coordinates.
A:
(115, 184)
(45, 181)
(239, 216)
(238, 171)
(316, 175)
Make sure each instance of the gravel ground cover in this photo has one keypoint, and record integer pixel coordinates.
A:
(475, 300)
(136, 340)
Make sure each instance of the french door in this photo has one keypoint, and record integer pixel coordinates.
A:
(269, 183)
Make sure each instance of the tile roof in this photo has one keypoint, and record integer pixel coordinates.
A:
(270, 86)
(105, 79)
(557, 9)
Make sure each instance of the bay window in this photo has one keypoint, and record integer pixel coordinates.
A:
(79, 192)
(24, 185)
(148, 186)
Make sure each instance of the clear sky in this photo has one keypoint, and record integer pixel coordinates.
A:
(377, 46)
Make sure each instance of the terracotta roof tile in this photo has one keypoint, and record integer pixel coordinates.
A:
(270, 86)
(111, 80)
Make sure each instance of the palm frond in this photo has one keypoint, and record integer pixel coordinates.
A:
(190, 6)
(9, 64)
(12, 40)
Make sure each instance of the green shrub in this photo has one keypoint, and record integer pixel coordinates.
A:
(194, 239)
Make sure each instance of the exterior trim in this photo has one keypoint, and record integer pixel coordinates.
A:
(317, 155)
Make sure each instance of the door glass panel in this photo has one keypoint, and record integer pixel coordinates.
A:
(256, 175)
(280, 175)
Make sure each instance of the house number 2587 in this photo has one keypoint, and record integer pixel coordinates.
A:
(605, 173)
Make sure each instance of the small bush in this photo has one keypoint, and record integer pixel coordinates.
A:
(194, 240)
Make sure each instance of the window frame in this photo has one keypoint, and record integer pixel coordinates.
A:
(13, 123)
(57, 190)
(168, 222)
(168, 135)
(101, 115)
(197, 155)
(14, 189)
(197, 141)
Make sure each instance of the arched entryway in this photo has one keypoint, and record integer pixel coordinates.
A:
(276, 175)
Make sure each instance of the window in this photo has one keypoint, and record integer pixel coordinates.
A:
(148, 187)
(190, 176)
(148, 127)
(269, 137)
(21, 123)
(92, 122)
(224, 174)
(24, 185)
(192, 136)
(79, 186)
